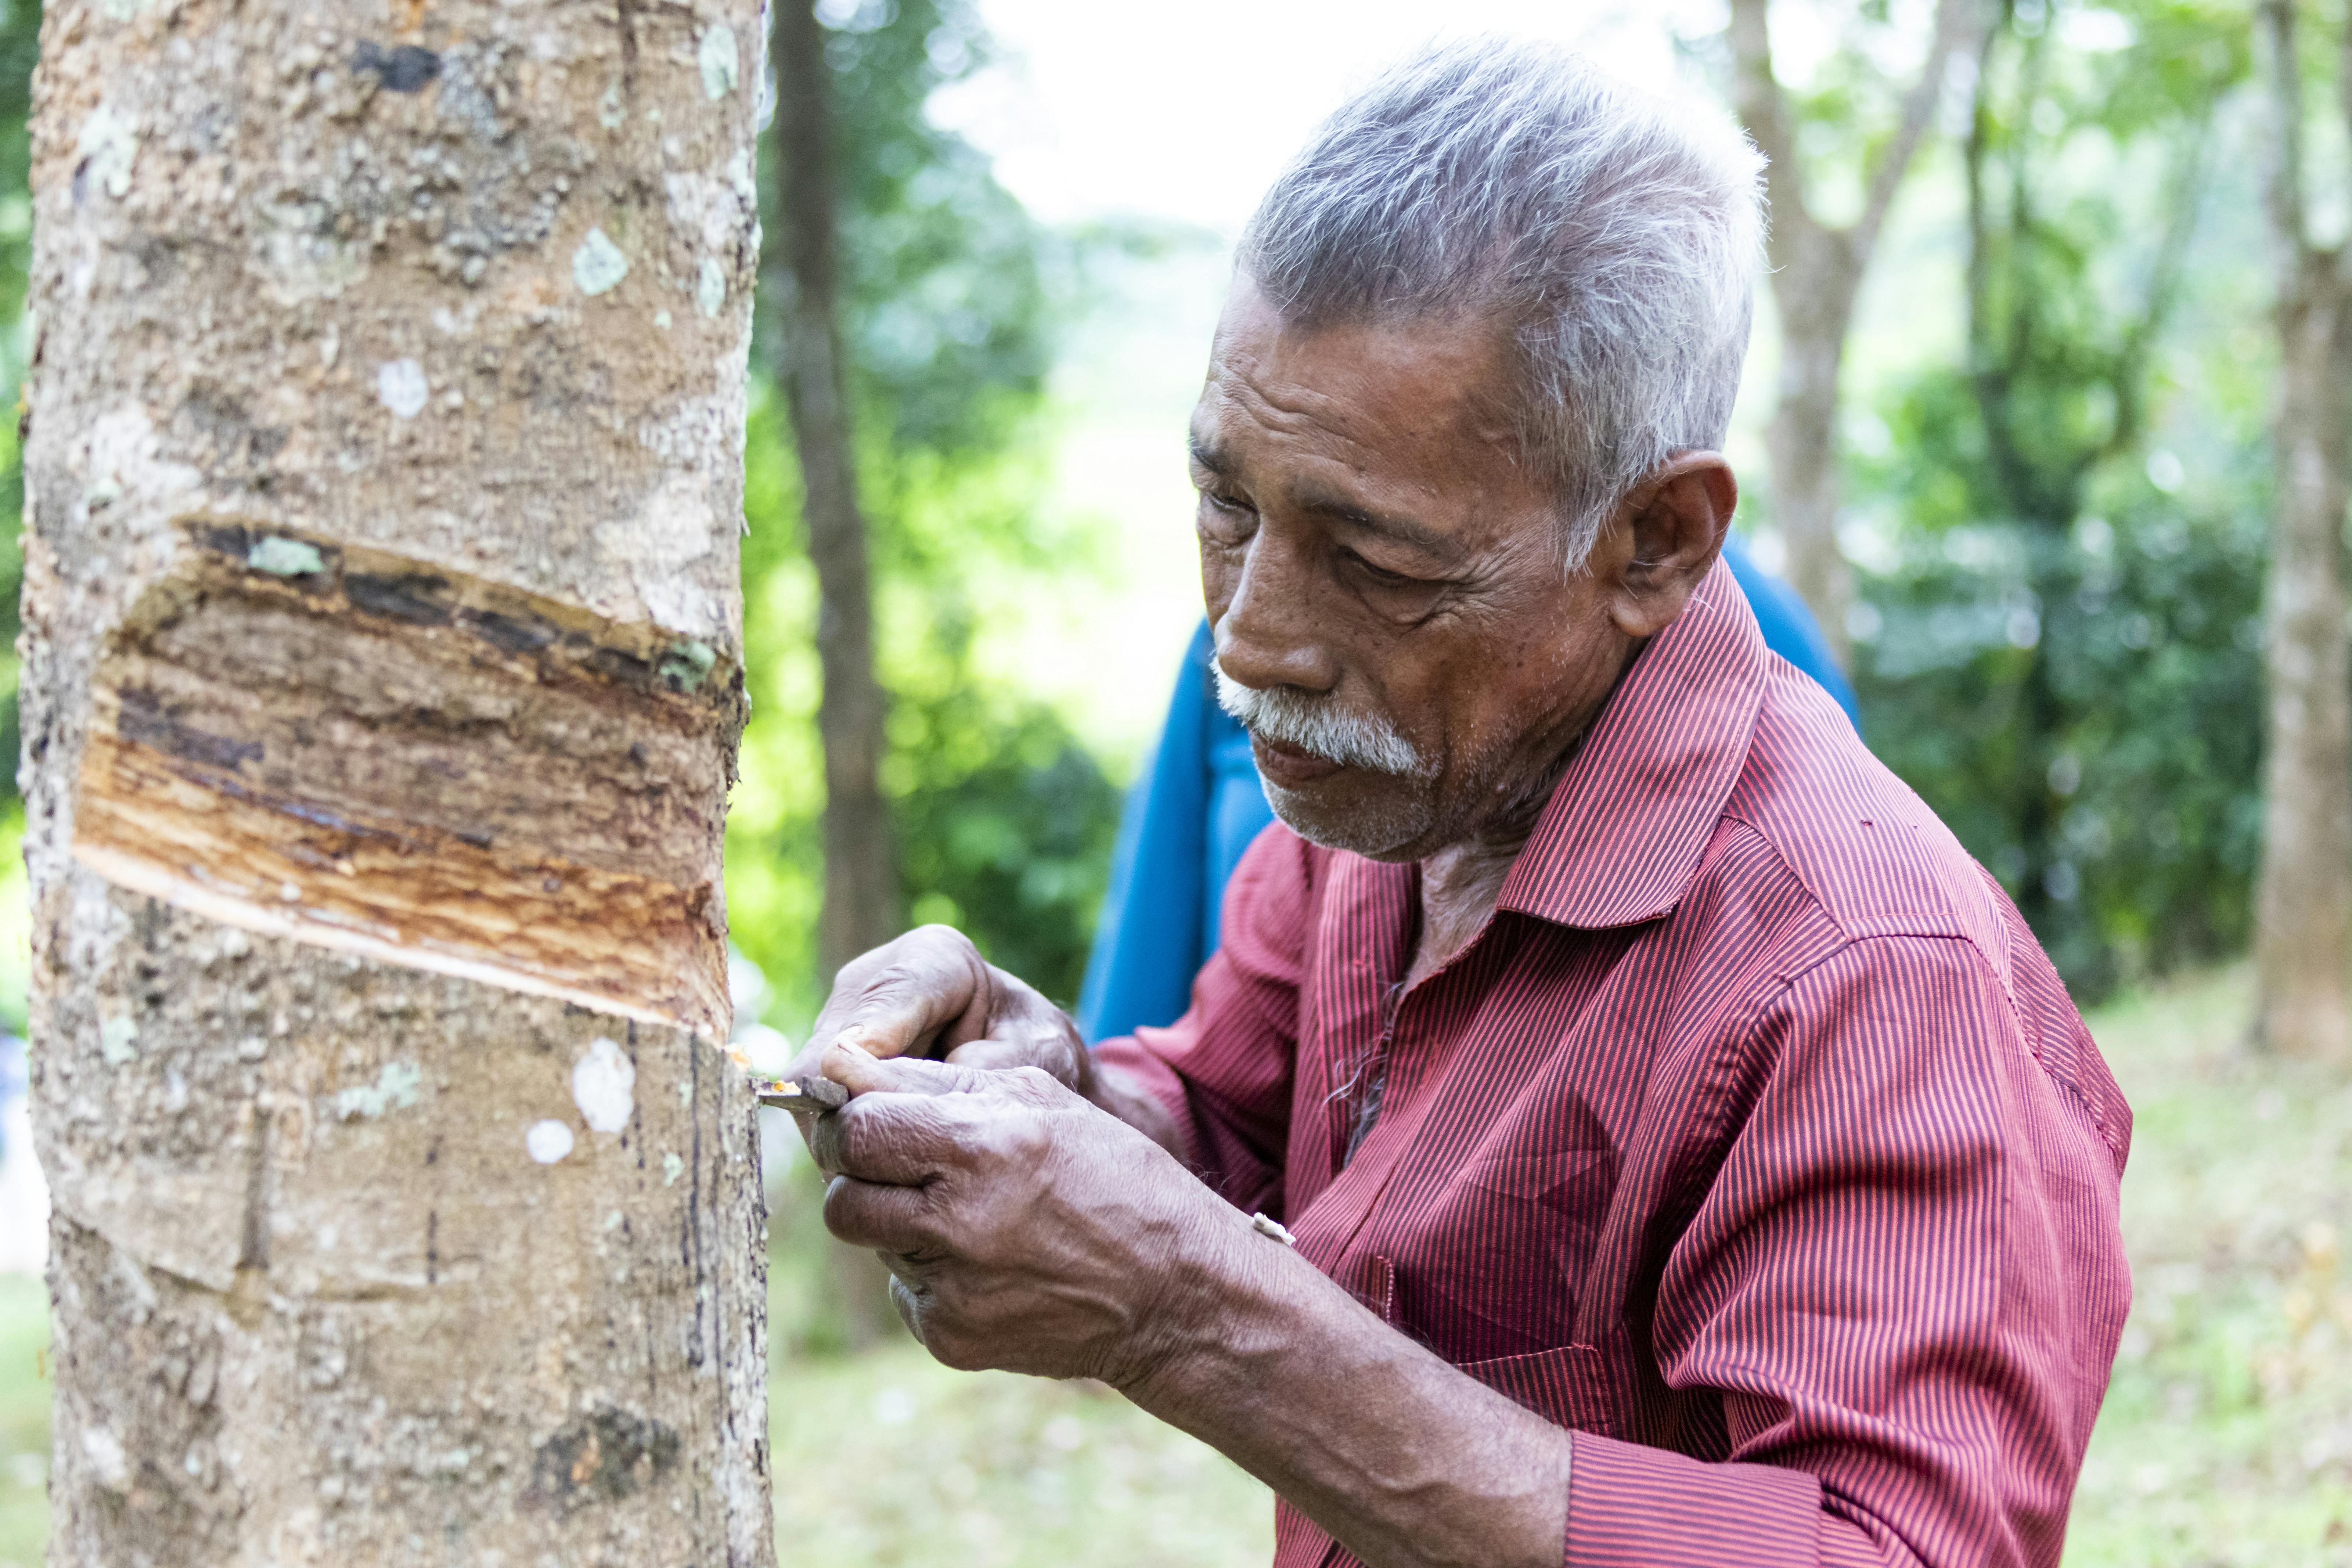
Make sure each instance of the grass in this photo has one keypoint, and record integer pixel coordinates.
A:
(24, 1420)
(2226, 1438)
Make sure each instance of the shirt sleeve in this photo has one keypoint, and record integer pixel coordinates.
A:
(1904, 1284)
(1224, 1069)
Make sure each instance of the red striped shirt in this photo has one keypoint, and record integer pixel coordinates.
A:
(1754, 1139)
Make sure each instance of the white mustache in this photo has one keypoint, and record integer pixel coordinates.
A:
(1319, 725)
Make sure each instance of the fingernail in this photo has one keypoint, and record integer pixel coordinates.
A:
(849, 1044)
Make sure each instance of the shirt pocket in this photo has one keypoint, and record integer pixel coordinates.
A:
(1567, 1386)
(1496, 1261)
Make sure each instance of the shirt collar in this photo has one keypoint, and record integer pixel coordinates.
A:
(1621, 836)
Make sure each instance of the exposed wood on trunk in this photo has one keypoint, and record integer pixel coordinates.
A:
(381, 692)
(1817, 272)
(2302, 941)
(861, 893)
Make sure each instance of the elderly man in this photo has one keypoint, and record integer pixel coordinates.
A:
(1690, 1156)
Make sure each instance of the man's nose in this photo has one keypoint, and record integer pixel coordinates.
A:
(1267, 635)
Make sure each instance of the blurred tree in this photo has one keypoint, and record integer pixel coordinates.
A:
(994, 818)
(861, 882)
(2303, 940)
(1818, 266)
(20, 28)
(944, 291)
(2039, 707)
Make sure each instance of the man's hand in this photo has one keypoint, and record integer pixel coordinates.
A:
(1025, 1228)
(929, 993)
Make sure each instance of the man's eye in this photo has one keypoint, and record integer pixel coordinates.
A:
(1224, 503)
(1382, 575)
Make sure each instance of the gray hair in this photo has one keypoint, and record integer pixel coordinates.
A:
(1614, 234)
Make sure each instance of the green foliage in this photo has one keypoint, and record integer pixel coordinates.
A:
(2066, 658)
(20, 30)
(1001, 820)
(2152, 637)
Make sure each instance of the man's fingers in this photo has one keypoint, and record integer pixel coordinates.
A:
(860, 1072)
(992, 1056)
(878, 1216)
(929, 985)
(902, 1140)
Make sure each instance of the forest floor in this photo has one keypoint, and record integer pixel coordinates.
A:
(2226, 1438)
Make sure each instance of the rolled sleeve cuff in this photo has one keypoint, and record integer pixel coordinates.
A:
(1636, 1507)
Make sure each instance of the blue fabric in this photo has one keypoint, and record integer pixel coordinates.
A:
(1790, 629)
(1199, 806)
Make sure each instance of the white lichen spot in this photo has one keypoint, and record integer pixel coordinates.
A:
(548, 1142)
(400, 387)
(661, 320)
(722, 68)
(107, 1459)
(123, 10)
(687, 663)
(107, 146)
(686, 1092)
(394, 1088)
(283, 557)
(672, 1169)
(118, 1040)
(598, 265)
(612, 110)
(710, 289)
(604, 1085)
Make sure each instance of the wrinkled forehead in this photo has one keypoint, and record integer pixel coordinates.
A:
(1425, 395)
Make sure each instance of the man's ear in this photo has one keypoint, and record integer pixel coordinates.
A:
(1673, 526)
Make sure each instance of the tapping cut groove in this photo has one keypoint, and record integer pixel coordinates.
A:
(353, 750)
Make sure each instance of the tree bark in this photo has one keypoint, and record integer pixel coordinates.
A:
(1817, 272)
(382, 684)
(861, 890)
(2303, 942)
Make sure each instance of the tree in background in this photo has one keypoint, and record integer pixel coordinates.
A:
(2065, 670)
(861, 882)
(1818, 268)
(382, 683)
(920, 466)
(2303, 934)
(1000, 818)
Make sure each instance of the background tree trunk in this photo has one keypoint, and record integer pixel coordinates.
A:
(861, 876)
(382, 686)
(1817, 272)
(2302, 941)
(861, 879)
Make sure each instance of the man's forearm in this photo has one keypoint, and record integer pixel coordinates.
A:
(1404, 1459)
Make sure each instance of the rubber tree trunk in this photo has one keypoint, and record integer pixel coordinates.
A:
(2304, 913)
(380, 690)
(861, 876)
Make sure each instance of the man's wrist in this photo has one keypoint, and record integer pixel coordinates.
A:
(1220, 1305)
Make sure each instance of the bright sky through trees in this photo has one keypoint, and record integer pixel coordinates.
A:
(1187, 111)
